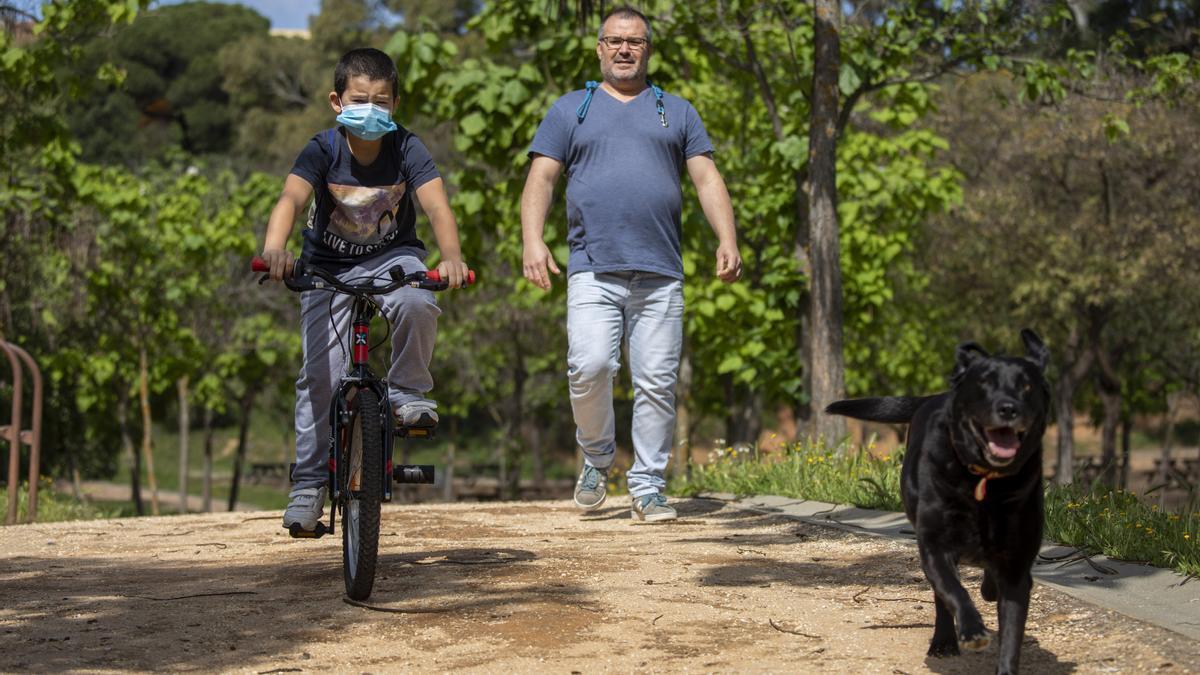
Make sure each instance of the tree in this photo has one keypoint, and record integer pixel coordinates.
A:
(825, 318)
(735, 332)
(171, 94)
(1085, 235)
(41, 74)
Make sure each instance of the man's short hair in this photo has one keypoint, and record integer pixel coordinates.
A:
(625, 12)
(372, 63)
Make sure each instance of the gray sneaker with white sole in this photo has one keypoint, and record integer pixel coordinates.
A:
(305, 506)
(419, 414)
(592, 488)
(652, 508)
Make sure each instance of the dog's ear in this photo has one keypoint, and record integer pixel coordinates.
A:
(1035, 349)
(966, 354)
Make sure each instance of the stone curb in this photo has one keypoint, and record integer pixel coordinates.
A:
(1152, 594)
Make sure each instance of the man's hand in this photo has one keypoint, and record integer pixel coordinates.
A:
(454, 272)
(729, 263)
(281, 262)
(537, 261)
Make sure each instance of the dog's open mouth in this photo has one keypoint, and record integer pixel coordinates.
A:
(1002, 443)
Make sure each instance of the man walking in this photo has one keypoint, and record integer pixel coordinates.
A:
(624, 144)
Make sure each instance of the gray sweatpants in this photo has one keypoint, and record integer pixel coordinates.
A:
(413, 313)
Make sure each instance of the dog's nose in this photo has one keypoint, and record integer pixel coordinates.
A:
(1007, 410)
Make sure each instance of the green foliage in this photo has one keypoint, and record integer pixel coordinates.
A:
(803, 471)
(53, 506)
(172, 88)
(507, 346)
(101, 261)
(1119, 525)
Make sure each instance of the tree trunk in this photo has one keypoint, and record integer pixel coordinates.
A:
(1174, 400)
(131, 455)
(743, 420)
(1126, 456)
(147, 426)
(243, 428)
(73, 467)
(828, 378)
(206, 490)
(448, 470)
(1077, 362)
(511, 469)
(682, 450)
(535, 454)
(1065, 401)
(184, 428)
(1110, 398)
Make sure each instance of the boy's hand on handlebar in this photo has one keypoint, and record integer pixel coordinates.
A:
(281, 263)
(454, 272)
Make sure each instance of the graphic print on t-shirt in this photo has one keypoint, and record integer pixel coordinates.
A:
(363, 219)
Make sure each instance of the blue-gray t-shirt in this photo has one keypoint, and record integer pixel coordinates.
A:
(360, 212)
(623, 169)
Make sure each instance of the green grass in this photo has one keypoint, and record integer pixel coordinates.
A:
(803, 471)
(1123, 527)
(55, 507)
(1094, 519)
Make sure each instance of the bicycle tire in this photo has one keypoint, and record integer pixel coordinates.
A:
(364, 493)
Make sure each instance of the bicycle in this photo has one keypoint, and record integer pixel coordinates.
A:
(361, 430)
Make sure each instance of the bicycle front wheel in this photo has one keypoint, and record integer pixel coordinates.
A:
(363, 453)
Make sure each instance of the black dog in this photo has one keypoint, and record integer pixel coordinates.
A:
(972, 487)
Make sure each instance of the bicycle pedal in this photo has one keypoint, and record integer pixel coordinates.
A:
(298, 532)
(414, 473)
(425, 428)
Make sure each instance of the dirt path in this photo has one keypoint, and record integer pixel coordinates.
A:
(516, 587)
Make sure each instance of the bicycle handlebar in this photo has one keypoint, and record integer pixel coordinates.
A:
(306, 277)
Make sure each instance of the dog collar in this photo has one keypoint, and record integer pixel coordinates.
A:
(981, 487)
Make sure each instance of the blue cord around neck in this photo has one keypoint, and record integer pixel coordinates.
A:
(591, 86)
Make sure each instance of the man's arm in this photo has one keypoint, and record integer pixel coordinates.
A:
(436, 205)
(714, 200)
(535, 204)
(292, 199)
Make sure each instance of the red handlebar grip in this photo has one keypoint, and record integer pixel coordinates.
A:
(257, 264)
(434, 275)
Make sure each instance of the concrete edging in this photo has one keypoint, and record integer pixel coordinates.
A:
(1152, 594)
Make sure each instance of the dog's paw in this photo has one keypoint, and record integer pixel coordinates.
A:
(940, 648)
(976, 641)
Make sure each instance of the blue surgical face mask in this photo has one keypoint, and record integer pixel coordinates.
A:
(366, 120)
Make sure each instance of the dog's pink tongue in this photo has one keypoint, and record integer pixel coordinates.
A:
(1003, 442)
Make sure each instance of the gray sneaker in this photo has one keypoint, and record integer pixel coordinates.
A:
(306, 506)
(592, 488)
(652, 508)
(419, 413)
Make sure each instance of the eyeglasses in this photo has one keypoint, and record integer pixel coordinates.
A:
(614, 42)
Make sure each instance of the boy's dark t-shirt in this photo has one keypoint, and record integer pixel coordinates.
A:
(360, 212)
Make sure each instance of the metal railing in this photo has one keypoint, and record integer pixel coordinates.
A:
(17, 437)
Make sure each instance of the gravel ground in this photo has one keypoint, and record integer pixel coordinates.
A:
(514, 587)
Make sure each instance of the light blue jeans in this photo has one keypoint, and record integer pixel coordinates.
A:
(413, 314)
(646, 311)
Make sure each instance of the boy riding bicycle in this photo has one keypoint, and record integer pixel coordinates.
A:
(364, 174)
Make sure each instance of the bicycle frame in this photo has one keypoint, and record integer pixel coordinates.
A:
(359, 376)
